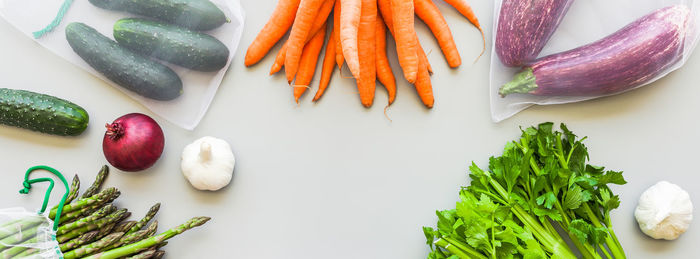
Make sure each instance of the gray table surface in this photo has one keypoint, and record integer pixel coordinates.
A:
(336, 180)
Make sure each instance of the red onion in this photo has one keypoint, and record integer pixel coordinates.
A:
(133, 142)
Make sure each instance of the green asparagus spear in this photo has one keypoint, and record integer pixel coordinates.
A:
(17, 238)
(149, 242)
(72, 192)
(79, 241)
(15, 250)
(93, 247)
(86, 220)
(124, 226)
(161, 245)
(11, 223)
(75, 215)
(27, 253)
(109, 219)
(135, 237)
(151, 229)
(158, 255)
(99, 179)
(145, 254)
(82, 203)
(74, 189)
(149, 215)
(102, 232)
(20, 225)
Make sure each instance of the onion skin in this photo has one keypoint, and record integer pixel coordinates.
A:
(621, 61)
(133, 142)
(525, 26)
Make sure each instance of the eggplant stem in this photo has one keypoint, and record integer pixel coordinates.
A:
(522, 83)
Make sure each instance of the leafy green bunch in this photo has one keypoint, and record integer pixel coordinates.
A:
(540, 184)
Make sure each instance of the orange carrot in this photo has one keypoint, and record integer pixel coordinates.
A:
(385, 9)
(424, 87)
(336, 27)
(402, 16)
(319, 22)
(308, 10)
(466, 10)
(279, 59)
(349, 23)
(384, 73)
(366, 83)
(280, 21)
(430, 14)
(328, 66)
(307, 63)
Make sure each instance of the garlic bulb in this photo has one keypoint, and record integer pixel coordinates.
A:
(208, 163)
(664, 211)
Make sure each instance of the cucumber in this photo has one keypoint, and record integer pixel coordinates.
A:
(41, 112)
(126, 68)
(194, 14)
(174, 44)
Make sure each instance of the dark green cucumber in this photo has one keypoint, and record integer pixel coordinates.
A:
(126, 68)
(41, 112)
(177, 45)
(194, 14)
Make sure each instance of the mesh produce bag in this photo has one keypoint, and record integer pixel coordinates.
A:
(587, 22)
(198, 85)
(28, 234)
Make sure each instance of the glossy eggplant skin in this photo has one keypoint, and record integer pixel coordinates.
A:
(621, 61)
(525, 26)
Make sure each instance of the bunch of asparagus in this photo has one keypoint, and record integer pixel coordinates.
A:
(92, 227)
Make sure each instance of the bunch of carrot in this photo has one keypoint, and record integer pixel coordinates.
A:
(358, 39)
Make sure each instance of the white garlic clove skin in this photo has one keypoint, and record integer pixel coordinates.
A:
(664, 211)
(207, 163)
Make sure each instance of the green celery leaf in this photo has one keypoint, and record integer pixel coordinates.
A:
(479, 179)
(607, 200)
(595, 170)
(453, 257)
(540, 183)
(575, 197)
(507, 235)
(577, 157)
(520, 200)
(485, 205)
(570, 136)
(429, 236)
(458, 228)
(586, 232)
(502, 214)
(580, 229)
(534, 254)
(598, 235)
(613, 177)
(446, 219)
(552, 214)
(529, 132)
(506, 251)
(533, 249)
(548, 199)
(497, 167)
(477, 236)
(585, 181)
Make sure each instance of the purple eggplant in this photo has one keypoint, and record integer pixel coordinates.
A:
(525, 26)
(623, 60)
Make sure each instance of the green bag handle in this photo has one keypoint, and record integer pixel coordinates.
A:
(28, 185)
